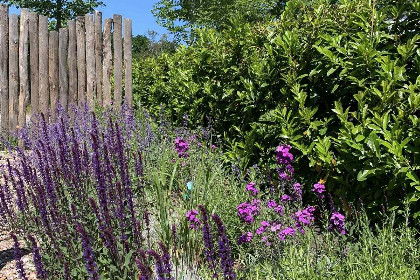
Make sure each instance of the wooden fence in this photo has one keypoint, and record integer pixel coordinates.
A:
(40, 69)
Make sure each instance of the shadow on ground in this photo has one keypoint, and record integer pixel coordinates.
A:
(8, 255)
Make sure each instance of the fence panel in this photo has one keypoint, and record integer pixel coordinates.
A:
(43, 65)
(117, 60)
(13, 71)
(107, 73)
(73, 66)
(34, 61)
(63, 67)
(23, 66)
(128, 57)
(98, 55)
(72, 62)
(4, 60)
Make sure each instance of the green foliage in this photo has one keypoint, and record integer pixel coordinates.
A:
(387, 253)
(59, 10)
(144, 46)
(339, 80)
(182, 17)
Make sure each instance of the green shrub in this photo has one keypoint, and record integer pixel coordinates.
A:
(339, 80)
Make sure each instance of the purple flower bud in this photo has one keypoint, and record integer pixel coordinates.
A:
(160, 271)
(166, 261)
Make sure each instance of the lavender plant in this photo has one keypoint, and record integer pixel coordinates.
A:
(75, 189)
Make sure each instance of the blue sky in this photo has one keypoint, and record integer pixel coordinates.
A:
(140, 11)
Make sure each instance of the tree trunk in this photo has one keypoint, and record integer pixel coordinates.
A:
(59, 14)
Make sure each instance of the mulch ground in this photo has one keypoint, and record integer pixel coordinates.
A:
(7, 263)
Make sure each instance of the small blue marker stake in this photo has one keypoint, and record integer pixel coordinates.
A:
(189, 189)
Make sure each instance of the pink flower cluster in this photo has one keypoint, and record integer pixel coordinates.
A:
(277, 208)
(284, 159)
(181, 147)
(283, 155)
(251, 189)
(247, 211)
(192, 218)
(304, 217)
(278, 225)
(287, 231)
(337, 223)
(245, 238)
(319, 189)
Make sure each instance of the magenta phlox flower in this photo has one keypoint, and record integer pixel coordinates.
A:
(319, 189)
(265, 240)
(304, 218)
(275, 227)
(246, 237)
(283, 154)
(271, 204)
(265, 223)
(262, 228)
(297, 189)
(287, 231)
(181, 147)
(251, 189)
(337, 223)
(290, 168)
(285, 198)
(192, 218)
(283, 175)
(279, 210)
(247, 211)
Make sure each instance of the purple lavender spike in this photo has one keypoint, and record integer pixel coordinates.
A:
(39, 266)
(18, 258)
(141, 262)
(160, 271)
(166, 261)
(208, 240)
(226, 261)
(88, 254)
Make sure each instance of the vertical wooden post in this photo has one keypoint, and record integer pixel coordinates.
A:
(23, 67)
(81, 60)
(34, 61)
(53, 72)
(107, 71)
(43, 65)
(4, 61)
(62, 67)
(98, 55)
(13, 71)
(128, 62)
(90, 61)
(72, 60)
(117, 61)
